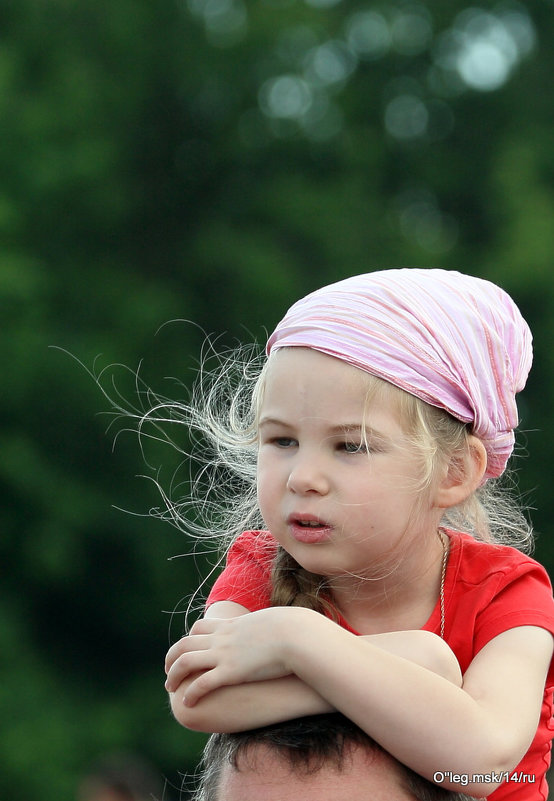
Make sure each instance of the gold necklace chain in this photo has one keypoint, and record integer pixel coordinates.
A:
(444, 542)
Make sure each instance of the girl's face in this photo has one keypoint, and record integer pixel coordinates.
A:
(338, 482)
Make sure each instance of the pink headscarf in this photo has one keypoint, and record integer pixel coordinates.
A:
(455, 341)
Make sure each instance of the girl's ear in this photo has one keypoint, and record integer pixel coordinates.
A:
(464, 475)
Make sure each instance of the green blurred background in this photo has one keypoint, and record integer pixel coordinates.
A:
(212, 161)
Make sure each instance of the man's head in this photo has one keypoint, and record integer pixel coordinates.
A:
(321, 758)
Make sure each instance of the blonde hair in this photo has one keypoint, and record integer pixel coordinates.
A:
(219, 500)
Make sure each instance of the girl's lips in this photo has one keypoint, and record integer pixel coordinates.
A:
(308, 529)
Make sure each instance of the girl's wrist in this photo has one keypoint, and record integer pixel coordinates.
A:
(299, 630)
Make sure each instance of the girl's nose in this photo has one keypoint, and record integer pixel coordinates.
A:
(307, 476)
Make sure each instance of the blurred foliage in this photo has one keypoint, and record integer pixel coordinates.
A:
(212, 162)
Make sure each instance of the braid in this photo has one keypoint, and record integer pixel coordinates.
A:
(294, 586)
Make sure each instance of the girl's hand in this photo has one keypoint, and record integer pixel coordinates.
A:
(228, 651)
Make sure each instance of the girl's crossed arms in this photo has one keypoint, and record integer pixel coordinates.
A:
(278, 663)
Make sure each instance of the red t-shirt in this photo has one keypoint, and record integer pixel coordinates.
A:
(488, 589)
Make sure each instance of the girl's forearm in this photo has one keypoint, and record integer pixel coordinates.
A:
(246, 706)
(424, 720)
(285, 662)
(240, 707)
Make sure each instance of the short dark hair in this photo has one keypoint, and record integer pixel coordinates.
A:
(307, 744)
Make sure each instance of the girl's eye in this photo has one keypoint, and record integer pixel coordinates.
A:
(354, 447)
(283, 442)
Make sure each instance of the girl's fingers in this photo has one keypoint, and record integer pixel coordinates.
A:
(193, 641)
(183, 646)
(204, 684)
(186, 664)
(205, 625)
(174, 653)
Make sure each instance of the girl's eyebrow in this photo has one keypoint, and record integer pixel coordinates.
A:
(271, 421)
(335, 430)
(347, 428)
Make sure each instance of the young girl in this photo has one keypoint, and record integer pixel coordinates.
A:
(381, 586)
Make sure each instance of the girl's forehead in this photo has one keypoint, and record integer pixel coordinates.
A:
(306, 381)
(299, 369)
(290, 362)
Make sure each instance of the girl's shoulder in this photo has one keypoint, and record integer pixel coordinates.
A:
(475, 560)
(246, 577)
(486, 581)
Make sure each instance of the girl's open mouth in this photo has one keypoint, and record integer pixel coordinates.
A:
(308, 529)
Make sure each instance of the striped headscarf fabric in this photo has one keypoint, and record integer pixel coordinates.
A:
(456, 341)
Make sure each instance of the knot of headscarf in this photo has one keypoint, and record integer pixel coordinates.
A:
(456, 341)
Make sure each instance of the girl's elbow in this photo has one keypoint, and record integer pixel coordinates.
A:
(208, 715)
(191, 717)
(444, 662)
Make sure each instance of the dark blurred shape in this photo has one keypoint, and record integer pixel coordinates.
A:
(121, 777)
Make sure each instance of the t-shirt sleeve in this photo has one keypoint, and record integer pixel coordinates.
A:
(246, 577)
(523, 597)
